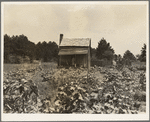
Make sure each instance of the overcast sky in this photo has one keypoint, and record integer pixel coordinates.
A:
(123, 25)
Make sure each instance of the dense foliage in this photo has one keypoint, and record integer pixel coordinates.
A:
(46, 51)
(18, 49)
(101, 91)
(18, 46)
(142, 57)
(104, 50)
(129, 56)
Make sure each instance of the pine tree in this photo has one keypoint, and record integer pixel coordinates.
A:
(104, 50)
(143, 54)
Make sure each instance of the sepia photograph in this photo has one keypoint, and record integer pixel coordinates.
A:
(75, 61)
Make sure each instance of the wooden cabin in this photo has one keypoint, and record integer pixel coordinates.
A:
(74, 52)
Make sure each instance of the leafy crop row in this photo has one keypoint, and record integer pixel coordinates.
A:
(117, 92)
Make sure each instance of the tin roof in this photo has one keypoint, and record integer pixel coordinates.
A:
(73, 51)
(84, 42)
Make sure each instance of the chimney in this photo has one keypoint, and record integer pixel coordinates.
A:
(61, 37)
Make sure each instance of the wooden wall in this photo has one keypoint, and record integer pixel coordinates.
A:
(80, 60)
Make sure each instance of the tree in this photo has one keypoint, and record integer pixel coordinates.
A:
(104, 50)
(108, 54)
(93, 53)
(115, 57)
(38, 51)
(137, 56)
(18, 46)
(46, 51)
(7, 49)
(129, 56)
(143, 54)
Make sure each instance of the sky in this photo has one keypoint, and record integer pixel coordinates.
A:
(123, 24)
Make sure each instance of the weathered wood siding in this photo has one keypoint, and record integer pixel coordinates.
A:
(82, 55)
(80, 60)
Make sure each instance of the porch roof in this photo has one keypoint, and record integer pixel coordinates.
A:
(73, 51)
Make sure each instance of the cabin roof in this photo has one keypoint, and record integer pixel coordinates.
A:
(83, 42)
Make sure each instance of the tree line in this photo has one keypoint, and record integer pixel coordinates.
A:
(18, 49)
(105, 51)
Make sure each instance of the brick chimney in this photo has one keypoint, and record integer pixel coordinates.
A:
(61, 37)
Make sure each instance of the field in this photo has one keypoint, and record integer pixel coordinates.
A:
(34, 88)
